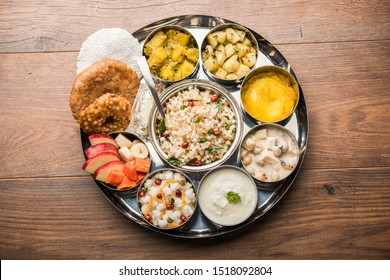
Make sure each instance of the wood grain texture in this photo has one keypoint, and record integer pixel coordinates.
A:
(338, 208)
(325, 215)
(44, 28)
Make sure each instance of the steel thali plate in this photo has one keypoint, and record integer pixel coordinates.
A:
(199, 226)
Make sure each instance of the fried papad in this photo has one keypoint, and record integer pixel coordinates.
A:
(106, 114)
(106, 76)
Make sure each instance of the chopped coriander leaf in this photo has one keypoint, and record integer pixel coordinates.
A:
(219, 103)
(161, 126)
(228, 126)
(174, 161)
(182, 107)
(214, 149)
(233, 197)
(196, 120)
(227, 117)
(202, 140)
(211, 131)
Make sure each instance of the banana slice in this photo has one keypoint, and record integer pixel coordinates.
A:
(123, 141)
(139, 150)
(126, 154)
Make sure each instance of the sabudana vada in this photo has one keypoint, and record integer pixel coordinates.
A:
(106, 114)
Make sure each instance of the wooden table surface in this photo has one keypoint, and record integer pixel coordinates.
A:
(339, 206)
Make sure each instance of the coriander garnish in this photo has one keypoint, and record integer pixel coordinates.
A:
(233, 197)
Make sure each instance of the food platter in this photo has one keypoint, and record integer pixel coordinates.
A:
(199, 226)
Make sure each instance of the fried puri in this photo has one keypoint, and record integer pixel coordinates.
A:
(106, 76)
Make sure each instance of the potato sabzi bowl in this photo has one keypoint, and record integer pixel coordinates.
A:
(172, 55)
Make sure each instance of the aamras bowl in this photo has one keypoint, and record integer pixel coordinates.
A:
(227, 195)
(167, 199)
(269, 152)
(202, 126)
(172, 54)
(269, 94)
(228, 53)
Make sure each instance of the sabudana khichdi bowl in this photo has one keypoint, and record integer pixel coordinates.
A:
(202, 126)
(167, 199)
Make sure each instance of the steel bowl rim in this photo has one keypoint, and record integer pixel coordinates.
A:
(277, 69)
(194, 72)
(243, 170)
(170, 91)
(278, 127)
(132, 189)
(151, 175)
(204, 43)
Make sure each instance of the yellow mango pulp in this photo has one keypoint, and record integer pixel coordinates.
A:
(269, 97)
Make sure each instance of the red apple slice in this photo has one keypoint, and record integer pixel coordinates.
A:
(99, 160)
(101, 148)
(102, 172)
(96, 139)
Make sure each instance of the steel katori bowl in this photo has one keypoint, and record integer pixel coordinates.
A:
(222, 139)
(173, 60)
(227, 195)
(243, 49)
(167, 199)
(130, 190)
(270, 153)
(269, 94)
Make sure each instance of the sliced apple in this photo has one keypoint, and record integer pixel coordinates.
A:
(101, 148)
(103, 171)
(96, 139)
(95, 162)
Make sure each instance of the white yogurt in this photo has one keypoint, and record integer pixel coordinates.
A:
(213, 193)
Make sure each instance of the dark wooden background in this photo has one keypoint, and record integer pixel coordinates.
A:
(339, 206)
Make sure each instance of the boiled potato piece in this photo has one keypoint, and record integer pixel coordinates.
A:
(249, 59)
(192, 54)
(157, 41)
(242, 70)
(178, 53)
(231, 65)
(158, 56)
(240, 33)
(184, 70)
(231, 76)
(221, 73)
(208, 52)
(229, 50)
(166, 72)
(211, 64)
(241, 49)
(232, 36)
(216, 38)
(220, 54)
(179, 36)
(247, 42)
